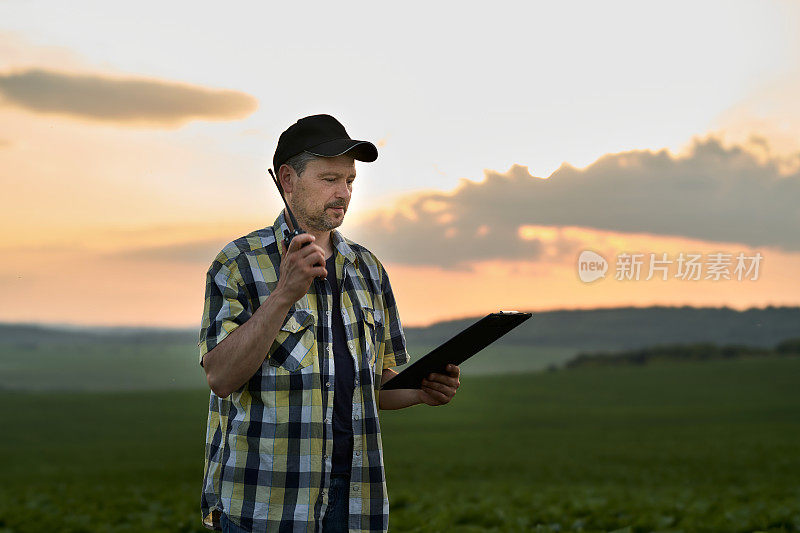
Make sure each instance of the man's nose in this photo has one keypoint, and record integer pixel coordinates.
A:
(343, 191)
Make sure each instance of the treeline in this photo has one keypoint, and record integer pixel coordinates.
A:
(687, 352)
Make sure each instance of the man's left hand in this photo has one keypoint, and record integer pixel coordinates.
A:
(439, 389)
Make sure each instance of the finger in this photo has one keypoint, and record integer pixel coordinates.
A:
(311, 249)
(319, 272)
(441, 387)
(427, 397)
(453, 370)
(436, 395)
(314, 259)
(441, 378)
(298, 241)
(310, 258)
(451, 381)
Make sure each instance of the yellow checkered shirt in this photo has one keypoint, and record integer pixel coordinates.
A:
(269, 444)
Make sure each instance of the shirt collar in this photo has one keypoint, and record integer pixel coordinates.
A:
(281, 228)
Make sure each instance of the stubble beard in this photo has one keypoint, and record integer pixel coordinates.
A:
(316, 220)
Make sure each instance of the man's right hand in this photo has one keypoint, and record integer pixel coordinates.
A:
(232, 362)
(299, 267)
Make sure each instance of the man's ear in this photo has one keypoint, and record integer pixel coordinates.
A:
(285, 176)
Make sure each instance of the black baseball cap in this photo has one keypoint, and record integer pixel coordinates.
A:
(320, 135)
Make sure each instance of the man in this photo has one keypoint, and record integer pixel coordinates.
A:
(295, 342)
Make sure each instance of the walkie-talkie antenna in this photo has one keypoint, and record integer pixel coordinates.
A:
(297, 229)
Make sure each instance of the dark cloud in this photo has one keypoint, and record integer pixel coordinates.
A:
(711, 193)
(140, 101)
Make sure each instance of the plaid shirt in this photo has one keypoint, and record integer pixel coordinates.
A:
(269, 444)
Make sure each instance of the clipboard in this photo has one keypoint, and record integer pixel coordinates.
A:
(458, 349)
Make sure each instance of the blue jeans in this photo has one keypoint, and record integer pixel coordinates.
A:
(336, 518)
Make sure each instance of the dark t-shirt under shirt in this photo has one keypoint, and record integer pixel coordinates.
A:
(343, 383)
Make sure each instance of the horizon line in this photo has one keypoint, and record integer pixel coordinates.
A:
(127, 327)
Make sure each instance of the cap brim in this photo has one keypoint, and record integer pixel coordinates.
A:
(361, 150)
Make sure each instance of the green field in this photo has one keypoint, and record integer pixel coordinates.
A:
(116, 366)
(671, 446)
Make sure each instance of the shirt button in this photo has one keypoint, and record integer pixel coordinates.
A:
(325, 456)
(355, 488)
(358, 453)
(355, 417)
(356, 381)
(327, 420)
(328, 384)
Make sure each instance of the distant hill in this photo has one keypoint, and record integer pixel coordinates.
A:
(636, 327)
(32, 335)
(39, 357)
(594, 329)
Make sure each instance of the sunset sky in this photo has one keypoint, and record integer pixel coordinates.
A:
(135, 141)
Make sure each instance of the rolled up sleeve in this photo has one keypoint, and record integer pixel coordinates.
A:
(226, 305)
(394, 341)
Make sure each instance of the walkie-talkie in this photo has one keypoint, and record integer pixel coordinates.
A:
(287, 239)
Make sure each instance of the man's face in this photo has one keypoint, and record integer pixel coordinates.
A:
(321, 195)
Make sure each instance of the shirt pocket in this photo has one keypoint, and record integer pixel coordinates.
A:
(295, 345)
(373, 333)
